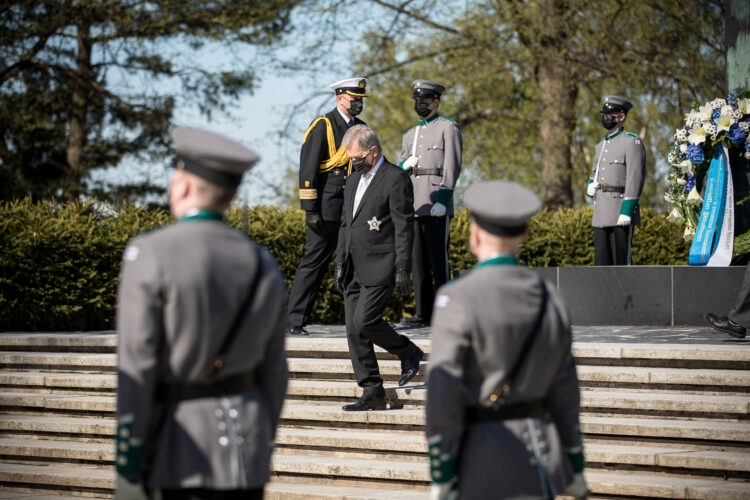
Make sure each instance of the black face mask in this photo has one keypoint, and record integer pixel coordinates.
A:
(360, 164)
(355, 107)
(422, 109)
(608, 121)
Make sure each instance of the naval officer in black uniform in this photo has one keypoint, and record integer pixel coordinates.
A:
(323, 169)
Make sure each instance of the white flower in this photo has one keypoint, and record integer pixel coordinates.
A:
(736, 114)
(694, 198)
(683, 148)
(681, 135)
(681, 181)
(718, 103)
(710, 128)
(745, 126)
(702, 114)
(747, 155)
(697, 135)
(724, 120)
(674, 216)
(668, 198)
(714, 136)
(688, 234)
(744, 106)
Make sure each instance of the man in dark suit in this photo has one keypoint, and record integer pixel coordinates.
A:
(323, 169)
(373, 254)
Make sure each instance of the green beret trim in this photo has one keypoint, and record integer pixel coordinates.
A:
(128, 456)
(444, 196)
(442, 466)
(430, 119)
(628, 207)
(201, 215)
(401, 163)
(630, 134)
(613, 135)
(448, 119)
(506, 259)
(577, 461)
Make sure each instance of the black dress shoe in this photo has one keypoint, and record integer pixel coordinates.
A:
(410, 367)
(725, 325)
(367, 402)
(297, 330)
(414, 321)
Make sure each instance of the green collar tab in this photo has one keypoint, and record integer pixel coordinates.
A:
(613, 135)
(429, 120)
(191, 215)
(505, 259)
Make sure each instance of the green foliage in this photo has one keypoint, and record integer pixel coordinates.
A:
(60, 263)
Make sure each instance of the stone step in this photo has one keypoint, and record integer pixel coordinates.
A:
(60, 380)
(93, 479)
(69, 451)
(277, 490)
(54, 361)
(57, 402)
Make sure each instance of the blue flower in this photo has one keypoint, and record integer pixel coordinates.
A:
(732, 99)
(690, 184)
(694, 153)
(736, 134)
(715, 115)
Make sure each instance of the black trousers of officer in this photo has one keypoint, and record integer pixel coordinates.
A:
(365, 326)
(319, 247)
(205, 494)
(429, 261)
(612, 245)
(740, 313)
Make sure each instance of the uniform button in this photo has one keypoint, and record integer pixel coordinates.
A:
(437, 474)
(436, 463)
(606, 150)
(219, 413)
(124, 433)
(123, 446)
(222, 426)
(122, 461)
(233, 413)
(223, 441)
(240, 440)
(435, 451)
(529, 448)
(525, 435)
(532, 461)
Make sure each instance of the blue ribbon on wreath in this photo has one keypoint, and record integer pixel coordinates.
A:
(712, 214)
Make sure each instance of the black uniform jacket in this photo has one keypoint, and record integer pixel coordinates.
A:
(377, 240)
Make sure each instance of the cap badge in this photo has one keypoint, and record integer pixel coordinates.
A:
(374, 224)
(361, 84)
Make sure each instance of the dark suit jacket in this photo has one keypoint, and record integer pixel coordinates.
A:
(376, 254)
(329, 185)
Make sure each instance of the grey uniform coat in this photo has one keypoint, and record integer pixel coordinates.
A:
(439, 145)
(621, 158)
(180, 289)
(479, 324)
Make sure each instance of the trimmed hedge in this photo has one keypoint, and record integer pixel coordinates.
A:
(59, 263)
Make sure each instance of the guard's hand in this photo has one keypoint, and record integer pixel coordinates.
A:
(338, 277)
(437, 210)
(410, 163)
(313, 220)
(578, 488)
(444, 491)
(591, 190)
(403, 283)
(623, 220)
(129, 490)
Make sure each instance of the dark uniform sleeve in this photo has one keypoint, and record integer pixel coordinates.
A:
(446, 392)
(635, 174)
(140, 339)
(314, 151)
(401, 205)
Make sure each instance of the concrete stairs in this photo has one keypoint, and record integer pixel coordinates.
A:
(660, 421)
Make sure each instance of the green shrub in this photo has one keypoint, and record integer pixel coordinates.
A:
(60, 263)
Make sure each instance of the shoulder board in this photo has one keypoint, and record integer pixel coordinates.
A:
(447, 119)
(630, 134)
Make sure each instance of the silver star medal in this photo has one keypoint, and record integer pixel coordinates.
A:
(374, 224)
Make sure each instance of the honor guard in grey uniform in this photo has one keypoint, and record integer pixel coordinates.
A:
(616, 183)
(502, 391)
(323, 169)
(201, 317)
(431, 153)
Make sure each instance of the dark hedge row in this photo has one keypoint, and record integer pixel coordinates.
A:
(59, 263)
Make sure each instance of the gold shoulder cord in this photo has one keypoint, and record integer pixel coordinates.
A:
(335, 158)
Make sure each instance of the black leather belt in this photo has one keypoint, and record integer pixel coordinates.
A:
(606, 188)
(527, 409)
(416, 171)
(175, 392)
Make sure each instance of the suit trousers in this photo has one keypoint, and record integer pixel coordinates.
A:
(612, 245)
(429, 261)
(319, 247)
(740, 313)
(206, 494)
(365, 326)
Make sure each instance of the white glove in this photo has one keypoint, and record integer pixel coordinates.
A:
(591, 190)
(578, 488)
(444, 491)
(410, 163)
(437, 210)
(623, 220)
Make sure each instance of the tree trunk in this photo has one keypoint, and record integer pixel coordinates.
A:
(77, 127)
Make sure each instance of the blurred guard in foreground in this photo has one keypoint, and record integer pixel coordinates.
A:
(201, 316)
(502, 390)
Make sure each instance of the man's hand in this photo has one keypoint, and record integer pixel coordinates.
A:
(129, 490)
(313, 220)
(410, 163)
(623, 220)
(437, 210)
(338, 277)
(444, 491)
(591, 190)
(578, 488)
(403, 283)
